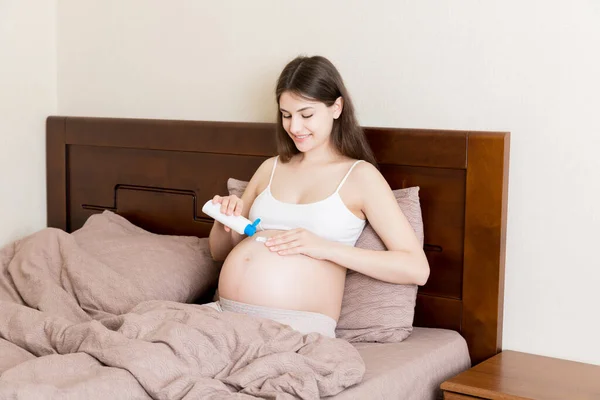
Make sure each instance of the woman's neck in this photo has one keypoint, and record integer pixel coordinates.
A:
(319, 156)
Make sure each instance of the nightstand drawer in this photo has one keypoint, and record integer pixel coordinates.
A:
(456, 396)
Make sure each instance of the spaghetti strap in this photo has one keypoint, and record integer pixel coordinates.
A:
(273, 171)
(347, 174)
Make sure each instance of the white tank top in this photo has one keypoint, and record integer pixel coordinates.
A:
(328, 218)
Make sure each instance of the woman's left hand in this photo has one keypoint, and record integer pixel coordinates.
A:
(299, 241)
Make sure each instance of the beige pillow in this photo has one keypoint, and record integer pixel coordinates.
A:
(160, 267)
(372, 310)
(236, 187)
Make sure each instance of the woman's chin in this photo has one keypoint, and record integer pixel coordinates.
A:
(303, 147)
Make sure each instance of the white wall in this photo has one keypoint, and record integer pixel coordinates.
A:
(27, 96)
(529, 67)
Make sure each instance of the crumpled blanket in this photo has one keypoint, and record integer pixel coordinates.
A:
(56, 343)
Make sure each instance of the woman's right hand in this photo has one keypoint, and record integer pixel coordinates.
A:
(230, 205)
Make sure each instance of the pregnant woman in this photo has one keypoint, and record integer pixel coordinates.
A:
(313, 200)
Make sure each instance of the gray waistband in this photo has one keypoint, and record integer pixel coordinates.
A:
(302, 321)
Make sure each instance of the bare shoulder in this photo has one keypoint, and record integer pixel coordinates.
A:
(366, 175)
(266, 166)
(365, 185)
(260, 179)
(258, 182)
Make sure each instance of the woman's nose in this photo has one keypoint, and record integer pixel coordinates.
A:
(295, 125)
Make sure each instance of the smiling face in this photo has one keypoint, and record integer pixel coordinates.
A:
(308, 122)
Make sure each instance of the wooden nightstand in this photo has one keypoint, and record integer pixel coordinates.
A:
(513, 375)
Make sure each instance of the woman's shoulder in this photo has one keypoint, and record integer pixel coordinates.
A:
(260, 178)
(364, 170)
(267, 165)
(366, 178)
(263, 173)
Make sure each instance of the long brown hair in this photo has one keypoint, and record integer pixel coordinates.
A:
(316, 78)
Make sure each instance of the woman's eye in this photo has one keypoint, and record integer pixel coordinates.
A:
(286, 116)
(307, 116)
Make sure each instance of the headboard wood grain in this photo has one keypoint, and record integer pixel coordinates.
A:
(158, 173)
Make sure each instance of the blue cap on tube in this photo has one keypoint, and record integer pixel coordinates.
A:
(251, 229)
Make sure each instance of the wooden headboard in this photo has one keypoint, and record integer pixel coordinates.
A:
(158, 173)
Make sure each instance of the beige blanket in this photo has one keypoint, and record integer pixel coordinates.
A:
(57, 341)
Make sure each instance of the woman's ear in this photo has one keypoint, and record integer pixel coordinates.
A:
(338, 106)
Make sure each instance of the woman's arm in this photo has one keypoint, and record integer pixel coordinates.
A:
(222, 241)
(394, 266)
(403, 263)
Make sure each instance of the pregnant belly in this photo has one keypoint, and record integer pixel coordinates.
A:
(253, 274)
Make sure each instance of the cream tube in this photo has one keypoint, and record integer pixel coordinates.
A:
(238, 223)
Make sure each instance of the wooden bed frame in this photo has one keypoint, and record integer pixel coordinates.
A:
(158, 173)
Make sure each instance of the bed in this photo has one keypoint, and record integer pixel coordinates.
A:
(157, 174)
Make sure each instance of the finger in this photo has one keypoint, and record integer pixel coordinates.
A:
(217, 199)
(282, 238)
(224, 204)
(283, 235)
(285, 246)
(231, 206)
(292, 233)
(238, 208)
(289, 252)
(227, 229)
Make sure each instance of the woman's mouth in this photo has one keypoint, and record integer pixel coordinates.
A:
(300, 137)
